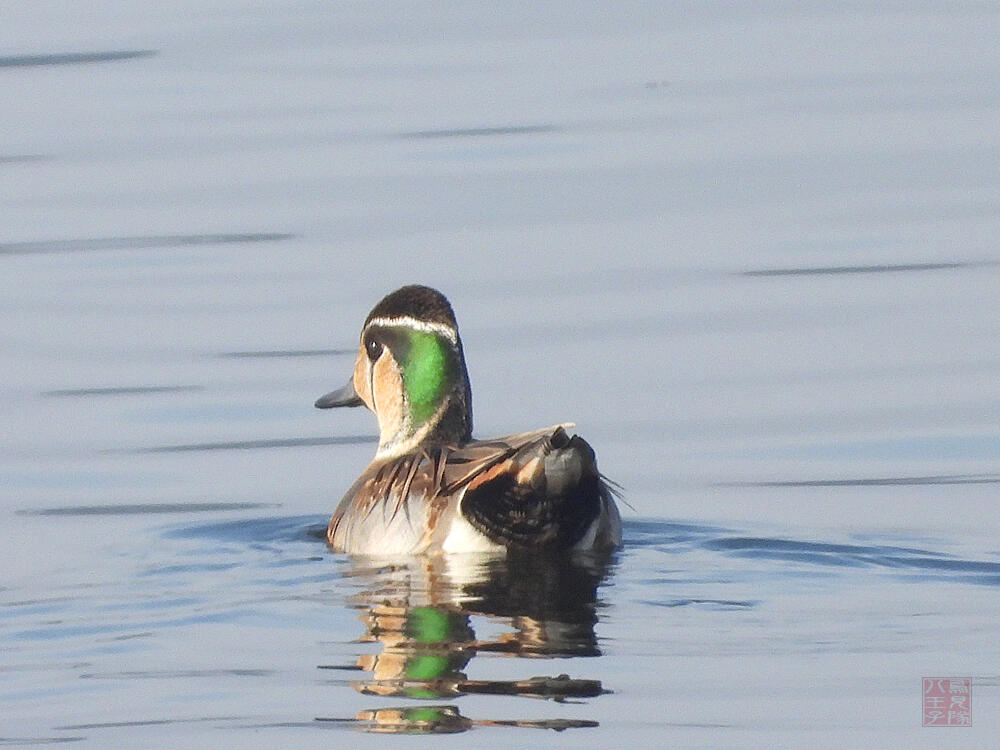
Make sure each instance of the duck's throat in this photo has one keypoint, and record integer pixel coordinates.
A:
(450, 424)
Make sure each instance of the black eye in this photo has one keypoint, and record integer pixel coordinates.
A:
(374, 348)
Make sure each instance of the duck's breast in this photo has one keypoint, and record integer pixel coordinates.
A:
(386, 511)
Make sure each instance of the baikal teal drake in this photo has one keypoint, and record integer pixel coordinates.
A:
(431, 488)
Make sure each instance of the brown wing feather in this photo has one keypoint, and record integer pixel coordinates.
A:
(511, 489)
(546, 493)
(470, 461)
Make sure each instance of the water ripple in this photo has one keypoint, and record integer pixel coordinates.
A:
(905, 562)
(136, 243)
(144, 722)
(250, 530)
(21, 158)
(876, 481)
(716, 604)
(887, 268)
(174, 674)
(22, 741)
(120, 390)
(279, 353)
(142, 509)
(72, 58)
(476, 132)
(255, 444)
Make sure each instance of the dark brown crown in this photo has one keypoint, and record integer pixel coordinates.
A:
(419, 302)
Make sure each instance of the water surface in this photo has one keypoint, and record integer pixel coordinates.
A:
(747, 248)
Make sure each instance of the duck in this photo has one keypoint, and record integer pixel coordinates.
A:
(431, 487)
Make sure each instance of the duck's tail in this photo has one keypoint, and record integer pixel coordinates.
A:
(548, 494)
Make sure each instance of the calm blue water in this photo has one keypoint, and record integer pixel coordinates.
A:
(746, 247)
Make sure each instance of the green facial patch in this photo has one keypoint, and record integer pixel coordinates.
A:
(426, 373)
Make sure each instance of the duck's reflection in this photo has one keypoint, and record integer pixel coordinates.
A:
(424, 613)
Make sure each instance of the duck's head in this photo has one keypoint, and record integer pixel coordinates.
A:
(411, 372)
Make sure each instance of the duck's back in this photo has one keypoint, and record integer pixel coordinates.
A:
(533, 490)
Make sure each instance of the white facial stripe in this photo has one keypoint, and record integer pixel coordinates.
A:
(371, 384)
(420, 325)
